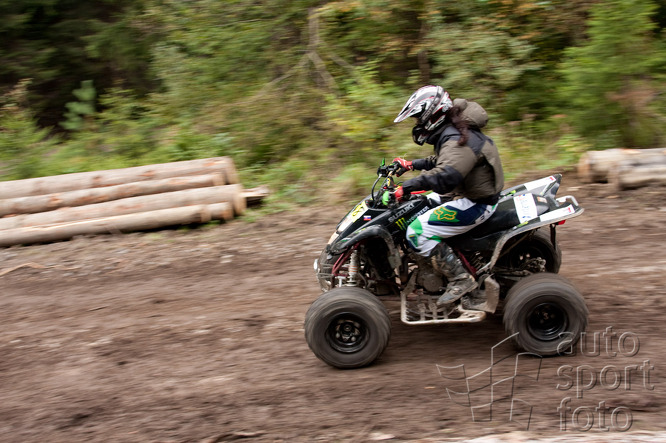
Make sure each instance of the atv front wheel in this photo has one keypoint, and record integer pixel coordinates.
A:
(347, 327)
(547, 312)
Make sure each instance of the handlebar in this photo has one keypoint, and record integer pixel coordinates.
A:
(388, 172)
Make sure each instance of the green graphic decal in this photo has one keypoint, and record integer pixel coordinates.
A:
(418, 230)
(444, 214)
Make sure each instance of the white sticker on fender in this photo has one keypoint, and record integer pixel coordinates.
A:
(525, 207)
(539, 183)
(558, 213)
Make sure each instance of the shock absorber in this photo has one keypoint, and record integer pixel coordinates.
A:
(353, 269)
(476, 260)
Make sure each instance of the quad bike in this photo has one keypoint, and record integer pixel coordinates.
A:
(513, 256)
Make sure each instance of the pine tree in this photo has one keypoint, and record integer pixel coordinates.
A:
(613, 81)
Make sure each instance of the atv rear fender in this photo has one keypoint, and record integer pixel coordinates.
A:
(568, 208)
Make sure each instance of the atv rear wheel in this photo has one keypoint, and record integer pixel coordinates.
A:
(539, 245)
(347, 327)
(547, 312)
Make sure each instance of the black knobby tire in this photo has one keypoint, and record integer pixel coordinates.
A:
(347, 327)
(539, 245)
(547, 312)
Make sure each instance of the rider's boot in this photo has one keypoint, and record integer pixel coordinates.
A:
(446, 262)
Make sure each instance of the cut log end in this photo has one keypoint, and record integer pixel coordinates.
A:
(632, 175)
(597, 166)
(255, 196)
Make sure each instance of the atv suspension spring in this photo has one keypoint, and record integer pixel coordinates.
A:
(476, 261)
(353, 269)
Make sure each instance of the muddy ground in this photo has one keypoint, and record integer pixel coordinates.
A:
(197, 335)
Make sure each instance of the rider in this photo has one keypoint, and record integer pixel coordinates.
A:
(466, 166)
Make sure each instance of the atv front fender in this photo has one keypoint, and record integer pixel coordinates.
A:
(343, 244)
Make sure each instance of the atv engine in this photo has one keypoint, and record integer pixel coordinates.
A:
(430, 281)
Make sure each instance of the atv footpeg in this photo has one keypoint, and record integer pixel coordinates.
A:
(423, 310)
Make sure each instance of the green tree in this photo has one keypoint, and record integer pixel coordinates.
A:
(23, 145)
(303, 90)
(85, 106)
(613, 82)
(59, 43)
(478, 61)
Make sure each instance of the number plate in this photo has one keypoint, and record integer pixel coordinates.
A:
(358, 211)
(354, 215)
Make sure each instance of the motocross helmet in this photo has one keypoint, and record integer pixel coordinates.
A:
(428, 106)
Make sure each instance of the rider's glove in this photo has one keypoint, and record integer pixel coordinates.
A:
(405, 165)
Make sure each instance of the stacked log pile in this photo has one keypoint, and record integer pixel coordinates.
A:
(624, 168)
(121, 200)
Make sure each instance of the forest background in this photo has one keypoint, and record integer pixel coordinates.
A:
(303, 93)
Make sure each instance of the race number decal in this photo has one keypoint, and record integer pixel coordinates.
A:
(354, 215)
(525, 207)
(358, 211)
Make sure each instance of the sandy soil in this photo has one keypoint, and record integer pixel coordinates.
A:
(197, 335)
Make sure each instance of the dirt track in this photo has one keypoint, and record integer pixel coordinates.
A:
(196, 335)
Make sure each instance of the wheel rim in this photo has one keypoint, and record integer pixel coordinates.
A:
(347, 333)
(523, 252)
(547, 321)
(527, 252)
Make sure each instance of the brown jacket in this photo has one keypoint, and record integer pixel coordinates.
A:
(473, 170)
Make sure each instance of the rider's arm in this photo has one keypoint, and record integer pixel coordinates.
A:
(453, 163)
(425, 164)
